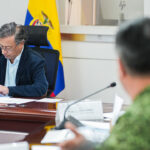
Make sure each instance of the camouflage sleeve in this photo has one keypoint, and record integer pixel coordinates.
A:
(131, 132)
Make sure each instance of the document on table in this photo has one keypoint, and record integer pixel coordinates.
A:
(96, 124)
(12, 132)
(45, 147)
(93, 131)
(49, 100)
(116, 109)
(11, 136)
(57, 136)
(9, 100)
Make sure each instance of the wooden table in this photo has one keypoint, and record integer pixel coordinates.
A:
(30, 118)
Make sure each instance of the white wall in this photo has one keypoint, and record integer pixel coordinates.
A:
(88, 67)
(13, 10)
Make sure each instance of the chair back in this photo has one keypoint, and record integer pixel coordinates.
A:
(51, 59)
(37, 36)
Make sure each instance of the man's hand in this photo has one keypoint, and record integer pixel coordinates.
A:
(74, 143)
(4, 90)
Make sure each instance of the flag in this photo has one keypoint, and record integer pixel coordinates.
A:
(44, 12)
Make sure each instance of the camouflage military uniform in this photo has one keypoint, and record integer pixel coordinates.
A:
(132, 131)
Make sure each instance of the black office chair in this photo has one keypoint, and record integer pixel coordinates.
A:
(37, 36)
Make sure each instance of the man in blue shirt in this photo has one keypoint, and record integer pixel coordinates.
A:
(22, 71)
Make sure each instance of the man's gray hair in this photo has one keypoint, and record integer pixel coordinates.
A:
(133, 46)
(11, 29)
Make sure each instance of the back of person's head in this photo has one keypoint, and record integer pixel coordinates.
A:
(133, 46)
(11, 29)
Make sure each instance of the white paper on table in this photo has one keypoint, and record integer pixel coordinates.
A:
(45, 147)
(94, 134)
(49, 100)
(11, 136)
(57, 136)
(9, 100)
(4, 97)
(93, 131)
(117, 108)
(12, 132)
(14, 146)
(95, 124)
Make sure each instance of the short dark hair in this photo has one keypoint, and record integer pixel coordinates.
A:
(11, 29)
(133, 46)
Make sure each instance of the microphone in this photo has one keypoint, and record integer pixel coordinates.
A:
(72, 119)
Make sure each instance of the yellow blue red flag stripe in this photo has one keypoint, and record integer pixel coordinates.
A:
(44, 12)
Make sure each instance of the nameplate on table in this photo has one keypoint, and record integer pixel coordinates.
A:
(87, 110)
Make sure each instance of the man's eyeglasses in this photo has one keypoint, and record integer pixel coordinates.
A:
(5, 47)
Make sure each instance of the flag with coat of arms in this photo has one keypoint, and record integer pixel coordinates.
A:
(44, 12)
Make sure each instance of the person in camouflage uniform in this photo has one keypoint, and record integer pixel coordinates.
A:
(132, 130)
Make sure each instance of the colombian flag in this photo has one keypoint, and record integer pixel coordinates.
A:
(44, 12)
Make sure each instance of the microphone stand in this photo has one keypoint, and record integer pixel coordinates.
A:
(74, 121)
